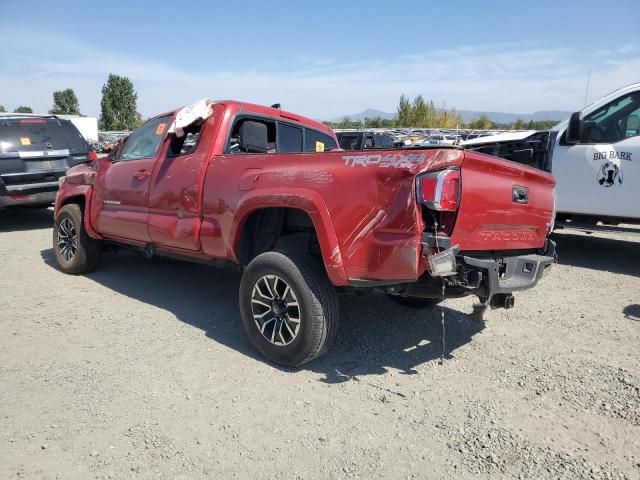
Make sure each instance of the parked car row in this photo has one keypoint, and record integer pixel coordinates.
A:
(375, 138)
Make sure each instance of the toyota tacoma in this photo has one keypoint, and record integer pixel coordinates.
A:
(271, 191)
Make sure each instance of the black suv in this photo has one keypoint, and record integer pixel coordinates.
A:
(35, 151)
(364, 140)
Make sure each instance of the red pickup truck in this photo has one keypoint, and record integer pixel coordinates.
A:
(271, 191)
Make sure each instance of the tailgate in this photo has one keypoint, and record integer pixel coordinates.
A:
(503, 205)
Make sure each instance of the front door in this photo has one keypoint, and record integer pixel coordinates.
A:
(122, 184)
(174, 193)
(600, 175)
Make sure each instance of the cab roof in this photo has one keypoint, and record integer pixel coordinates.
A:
(246, 107)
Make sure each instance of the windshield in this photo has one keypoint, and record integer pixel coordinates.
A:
(38, 134)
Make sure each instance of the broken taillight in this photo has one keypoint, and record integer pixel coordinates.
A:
(440, 190)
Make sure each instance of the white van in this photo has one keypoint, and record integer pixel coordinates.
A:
(594, 155)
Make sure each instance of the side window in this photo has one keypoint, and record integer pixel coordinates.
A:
(144, 142)
(233, 146)
(631, 127)
(188, 143)
(315, 141)
(613, 122)
(382, 141)
(368, 142)
(351, 142)
(289, 139)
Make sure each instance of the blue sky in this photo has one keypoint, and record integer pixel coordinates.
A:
(322, 59)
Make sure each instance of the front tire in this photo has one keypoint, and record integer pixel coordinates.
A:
(288, 306)
(75, 251)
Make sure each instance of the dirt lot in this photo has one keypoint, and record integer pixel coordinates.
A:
(142, 370)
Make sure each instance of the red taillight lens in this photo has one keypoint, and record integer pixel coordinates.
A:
(33, 120)
(440, 190)
(92, 155)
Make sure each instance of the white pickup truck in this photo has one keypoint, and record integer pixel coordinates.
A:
(594, 155)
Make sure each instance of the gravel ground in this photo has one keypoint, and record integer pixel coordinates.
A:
(141, 370)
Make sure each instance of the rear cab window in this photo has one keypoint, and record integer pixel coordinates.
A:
(283, 137)
(233, 144)
(289, 139)
(315, 141)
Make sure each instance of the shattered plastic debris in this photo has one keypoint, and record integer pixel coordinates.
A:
(200, 110)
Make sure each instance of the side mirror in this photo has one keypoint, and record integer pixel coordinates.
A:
(253, 137)
(574, 130)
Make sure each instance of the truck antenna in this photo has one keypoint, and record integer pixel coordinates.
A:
(586, 93)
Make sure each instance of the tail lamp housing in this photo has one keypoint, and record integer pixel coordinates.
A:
(440, 190)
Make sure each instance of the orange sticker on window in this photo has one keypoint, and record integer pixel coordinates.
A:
(160, 128)
(25, 140)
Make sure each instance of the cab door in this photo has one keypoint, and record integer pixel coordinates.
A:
(174, 193)
(600, 175)
(121, 189)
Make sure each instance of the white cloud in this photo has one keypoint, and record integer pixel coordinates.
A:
(517, 78)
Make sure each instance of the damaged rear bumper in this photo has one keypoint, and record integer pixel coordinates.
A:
(493, 279)
(500, 277)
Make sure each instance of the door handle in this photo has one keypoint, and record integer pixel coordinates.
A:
(142, 174)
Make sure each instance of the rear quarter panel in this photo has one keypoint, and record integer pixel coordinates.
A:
(363, 206)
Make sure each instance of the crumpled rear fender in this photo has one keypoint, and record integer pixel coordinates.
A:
(313, 205)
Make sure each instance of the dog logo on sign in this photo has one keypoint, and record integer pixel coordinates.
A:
(609, 174)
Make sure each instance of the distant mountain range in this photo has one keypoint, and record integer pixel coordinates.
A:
(468, 115)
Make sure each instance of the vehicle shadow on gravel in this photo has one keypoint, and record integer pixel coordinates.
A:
(20, 219)
(599, 253)
(374, 334)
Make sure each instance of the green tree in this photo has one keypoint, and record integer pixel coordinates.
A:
(404, 115)
(419, 112)
(2, 109)
(431, 115)
(518, 124)
(375, 122)
(118, 105)
(65, 102)
(482, 122)
(23, 109)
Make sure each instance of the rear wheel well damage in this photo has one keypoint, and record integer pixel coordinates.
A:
(272, 228)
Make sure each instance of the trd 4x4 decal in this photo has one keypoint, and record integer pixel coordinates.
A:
(396, 160)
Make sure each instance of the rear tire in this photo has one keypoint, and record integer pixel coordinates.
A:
(75, 251)
(415, 302)
(289, 308)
